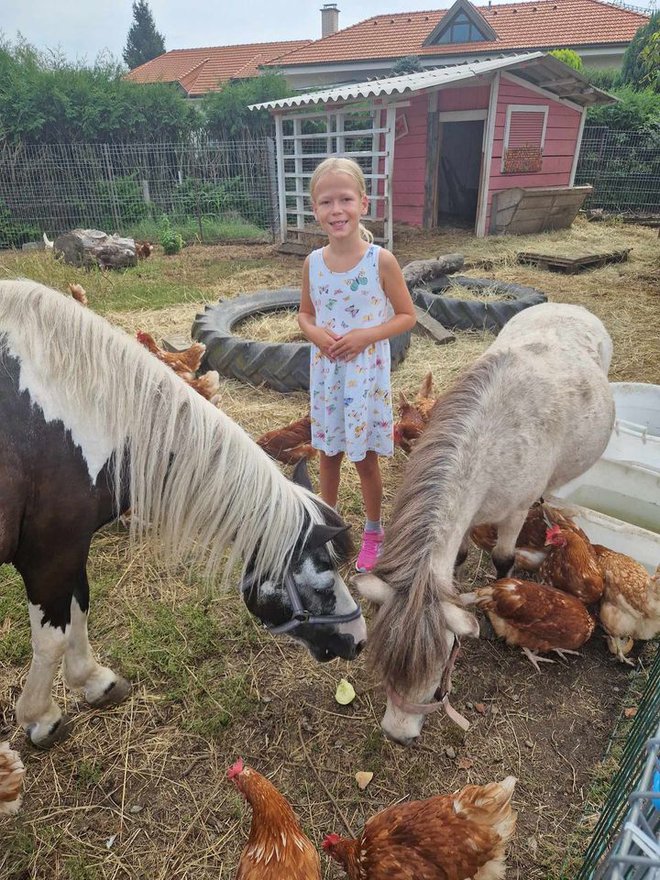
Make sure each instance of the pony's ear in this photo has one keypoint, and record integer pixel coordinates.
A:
(300, 475)
(373, 588)
(459, 621)
(322, 533)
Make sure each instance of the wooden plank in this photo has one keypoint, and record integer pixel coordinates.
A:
(428, 326)
(572, 265)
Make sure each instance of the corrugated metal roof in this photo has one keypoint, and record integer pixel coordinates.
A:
(428, 79)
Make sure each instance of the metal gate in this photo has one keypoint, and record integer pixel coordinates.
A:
(363, 132)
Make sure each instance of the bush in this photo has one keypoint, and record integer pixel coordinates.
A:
(636, 70)
(634, 111)
(605, 78)
(14, 233)
(170, 239)
(123, 197)
(197, 198)
(569, 57)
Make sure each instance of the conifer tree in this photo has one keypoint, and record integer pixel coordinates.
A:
(144, 42)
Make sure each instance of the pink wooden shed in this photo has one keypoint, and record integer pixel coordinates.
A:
(463, 144)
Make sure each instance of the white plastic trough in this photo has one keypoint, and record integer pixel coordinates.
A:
(636, 434)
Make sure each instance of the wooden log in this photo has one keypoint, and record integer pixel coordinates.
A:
(418, 272)
(91, 247)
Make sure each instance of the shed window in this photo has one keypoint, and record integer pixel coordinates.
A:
(523, 139)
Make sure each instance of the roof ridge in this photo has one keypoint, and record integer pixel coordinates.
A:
(233, 46)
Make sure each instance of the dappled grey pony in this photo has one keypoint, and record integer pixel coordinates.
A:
(534, 411)
(92, 424)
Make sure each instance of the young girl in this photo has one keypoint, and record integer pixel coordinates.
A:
(353, 300)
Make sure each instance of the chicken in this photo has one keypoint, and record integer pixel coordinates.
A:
(143, 249)
(531, 548)
(186, 361)
(208, 385)
(571, 565)
(11, 780)
(414, 416)
(48, 244)
(425, 400)
(630, 607)
(534, 617)
(291, 443)
(77, 291)
(277, 848)
(447, 837)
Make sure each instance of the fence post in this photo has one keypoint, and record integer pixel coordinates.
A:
(113, 195)
(272, 186)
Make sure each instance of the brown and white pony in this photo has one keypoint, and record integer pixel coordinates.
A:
(534, 411)
(90, 425)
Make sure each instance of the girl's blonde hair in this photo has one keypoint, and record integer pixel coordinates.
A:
(341, 165)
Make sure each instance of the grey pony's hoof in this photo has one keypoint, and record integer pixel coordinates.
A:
(116, 693)
(58, 732)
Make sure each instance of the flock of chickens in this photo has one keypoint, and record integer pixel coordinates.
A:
(446, 837)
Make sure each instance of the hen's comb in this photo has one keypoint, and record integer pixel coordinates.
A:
(330, 840)
(235, 769)
(552, 533)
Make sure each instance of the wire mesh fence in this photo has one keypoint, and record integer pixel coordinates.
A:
(211, 190)
(624, 169)
(602, 856)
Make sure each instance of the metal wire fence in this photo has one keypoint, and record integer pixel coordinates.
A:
(624, 169)
(629, 775)
(215, 190)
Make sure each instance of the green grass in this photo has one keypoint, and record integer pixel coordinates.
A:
(13, 608)
(17, 851)
(207, 230)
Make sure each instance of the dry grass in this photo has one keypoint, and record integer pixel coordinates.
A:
(139, 791)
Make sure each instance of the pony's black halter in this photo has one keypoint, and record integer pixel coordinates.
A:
(300, 614)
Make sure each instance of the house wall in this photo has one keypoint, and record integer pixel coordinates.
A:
(409, 177)
(561, 135)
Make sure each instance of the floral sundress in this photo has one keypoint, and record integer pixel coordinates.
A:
(351, 401)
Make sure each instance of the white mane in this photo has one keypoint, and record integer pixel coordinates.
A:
(196, 479)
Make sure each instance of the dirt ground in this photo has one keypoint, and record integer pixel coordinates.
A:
(139, 791)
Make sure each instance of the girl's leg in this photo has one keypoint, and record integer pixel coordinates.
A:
(329, 473)
(372, 485)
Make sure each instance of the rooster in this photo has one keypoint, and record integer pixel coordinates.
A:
(571, 565)
(77, 291)
(531, 548)
(186, 361)
(291, 443)
(11, 780)
(630, 607)
(534, 617)
(277, 848)
(447, 837)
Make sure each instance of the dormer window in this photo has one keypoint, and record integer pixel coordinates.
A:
(461, 30)
(462, 23)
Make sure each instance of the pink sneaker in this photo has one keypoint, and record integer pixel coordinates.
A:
(370, 550)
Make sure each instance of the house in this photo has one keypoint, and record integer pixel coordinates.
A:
(489, 144)
(198, 71)
(597, 30)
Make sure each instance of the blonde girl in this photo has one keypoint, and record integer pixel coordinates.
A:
(354, 299)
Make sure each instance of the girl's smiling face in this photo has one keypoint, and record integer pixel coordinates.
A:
(338, 205)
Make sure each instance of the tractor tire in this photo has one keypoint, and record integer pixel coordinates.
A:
(468, 314)
(283, 366)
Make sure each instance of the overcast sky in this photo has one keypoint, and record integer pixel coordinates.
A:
(82, 29)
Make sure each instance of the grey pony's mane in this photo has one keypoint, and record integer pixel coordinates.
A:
(197, 481)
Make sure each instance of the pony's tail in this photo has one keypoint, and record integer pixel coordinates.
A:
(365, 233)
(410, 642)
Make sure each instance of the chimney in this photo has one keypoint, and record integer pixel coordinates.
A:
(329, 19)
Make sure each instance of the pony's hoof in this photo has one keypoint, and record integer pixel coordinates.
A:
(116, 693)
(59, 731)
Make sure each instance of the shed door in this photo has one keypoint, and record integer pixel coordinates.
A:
(459, 171)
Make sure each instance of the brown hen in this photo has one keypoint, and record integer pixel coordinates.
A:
(78, 292)
(11, 780)
(630, 607)
(277, 848)
(413, 417)
(186, 361)
(291, 443)
(534, 617)
(571, 565)
(447, 837)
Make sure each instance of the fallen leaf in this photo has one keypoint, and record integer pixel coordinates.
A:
(345, 692)
(630, 712)
(465, 763)
(363, 778)
(481, 708)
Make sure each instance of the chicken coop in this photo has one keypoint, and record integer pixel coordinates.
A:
(490, 145)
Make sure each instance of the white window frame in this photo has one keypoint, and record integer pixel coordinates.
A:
(523, 108)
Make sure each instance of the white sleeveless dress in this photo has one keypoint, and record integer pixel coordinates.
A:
(351, 401)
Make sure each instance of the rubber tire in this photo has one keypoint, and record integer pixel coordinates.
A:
(463, 314)
(283, 366)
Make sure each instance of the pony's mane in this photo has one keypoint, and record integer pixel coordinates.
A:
(197, 481)
(406, 642)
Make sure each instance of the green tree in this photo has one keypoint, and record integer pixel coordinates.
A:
(635, 70)
(650, 57)
(144, 42)
(226, 112)
(568, 56)
(407, 64)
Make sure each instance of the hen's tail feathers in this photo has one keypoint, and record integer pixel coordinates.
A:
(11, 780)
(490, 805)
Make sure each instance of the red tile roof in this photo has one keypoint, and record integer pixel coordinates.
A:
(524, 26)
(205, 70)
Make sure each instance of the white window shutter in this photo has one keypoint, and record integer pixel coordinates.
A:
(526, 129)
